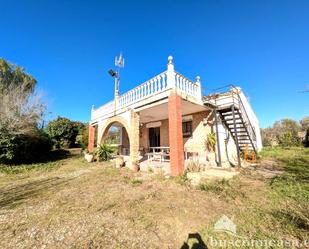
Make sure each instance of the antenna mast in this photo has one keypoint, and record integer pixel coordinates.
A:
(119, 63)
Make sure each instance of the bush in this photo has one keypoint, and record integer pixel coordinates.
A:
(16, 149)
(105, 152)
(287, 139)
(63, 132)
(84, 137)
(211, 141)
(283, 133)
(21, 111)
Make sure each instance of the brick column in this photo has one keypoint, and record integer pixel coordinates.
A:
(134, 136)
(91, 138)
(175, 134)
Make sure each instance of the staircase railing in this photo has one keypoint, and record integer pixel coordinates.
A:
(232, 93)
(247, 123)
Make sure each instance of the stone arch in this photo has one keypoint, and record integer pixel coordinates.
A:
(109, 123)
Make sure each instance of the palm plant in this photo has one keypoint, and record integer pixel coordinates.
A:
(104, 152)
(211, 141)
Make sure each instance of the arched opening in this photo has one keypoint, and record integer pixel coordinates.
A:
(117, 136)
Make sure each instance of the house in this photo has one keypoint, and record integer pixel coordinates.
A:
(168, 119)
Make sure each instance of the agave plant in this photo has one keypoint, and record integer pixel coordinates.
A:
(104, 152)
(211, 141)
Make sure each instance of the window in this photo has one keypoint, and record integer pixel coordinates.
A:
(187, 129)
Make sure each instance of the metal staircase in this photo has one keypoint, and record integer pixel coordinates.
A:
(229, 106)
(240, 129)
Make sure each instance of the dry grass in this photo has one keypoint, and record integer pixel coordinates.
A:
(81, 205)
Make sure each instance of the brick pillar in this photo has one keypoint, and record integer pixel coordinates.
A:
(175, 134)
(134, 136)
(91, 138)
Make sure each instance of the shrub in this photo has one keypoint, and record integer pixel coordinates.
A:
(287, 139)
(21, 111)
(283, 133)
(194, 166)
(104, 152)
(84, 137)
(183, 179)
(211, 141)
(24, 148)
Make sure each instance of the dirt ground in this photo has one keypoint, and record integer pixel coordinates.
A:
(82, 205)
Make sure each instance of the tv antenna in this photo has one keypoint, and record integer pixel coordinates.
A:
(119, 63)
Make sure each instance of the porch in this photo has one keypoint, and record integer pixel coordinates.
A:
(156, 130)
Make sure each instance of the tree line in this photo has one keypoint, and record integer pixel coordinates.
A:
(287, 133)
(23, 138)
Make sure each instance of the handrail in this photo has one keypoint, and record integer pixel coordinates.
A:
(233, 91)
(243, 110)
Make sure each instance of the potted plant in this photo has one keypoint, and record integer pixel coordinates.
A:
(119, 161)
(135, 166)
(88, 156)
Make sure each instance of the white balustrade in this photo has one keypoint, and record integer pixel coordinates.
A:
(156, 85)
(187, 86)
(147, 89)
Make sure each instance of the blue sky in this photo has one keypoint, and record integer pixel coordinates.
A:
(262, 46)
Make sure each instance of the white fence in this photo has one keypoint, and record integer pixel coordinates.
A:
(159, 84)
(153, 86)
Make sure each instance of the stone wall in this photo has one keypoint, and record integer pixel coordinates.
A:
(200, 129)
(134, 136)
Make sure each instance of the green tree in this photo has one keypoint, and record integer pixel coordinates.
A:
(21, 111)
(14, 76)
(84, 137)
(284, 132)
(287, 132)
(63, 132)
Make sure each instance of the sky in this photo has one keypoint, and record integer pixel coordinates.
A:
(69, 45)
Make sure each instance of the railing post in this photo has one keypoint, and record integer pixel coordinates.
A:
(218, 139)
(170, 74)
(236, 135)
(199, 88)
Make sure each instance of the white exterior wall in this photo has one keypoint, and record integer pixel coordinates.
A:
(253, 119)
(228, 150)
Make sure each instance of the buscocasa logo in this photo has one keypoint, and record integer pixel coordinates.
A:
(225, 224)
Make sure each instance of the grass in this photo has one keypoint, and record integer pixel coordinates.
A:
(132, 181)
(53, 161)
(19, 169)
(71, 203)
(224, 189)
(274, 208)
